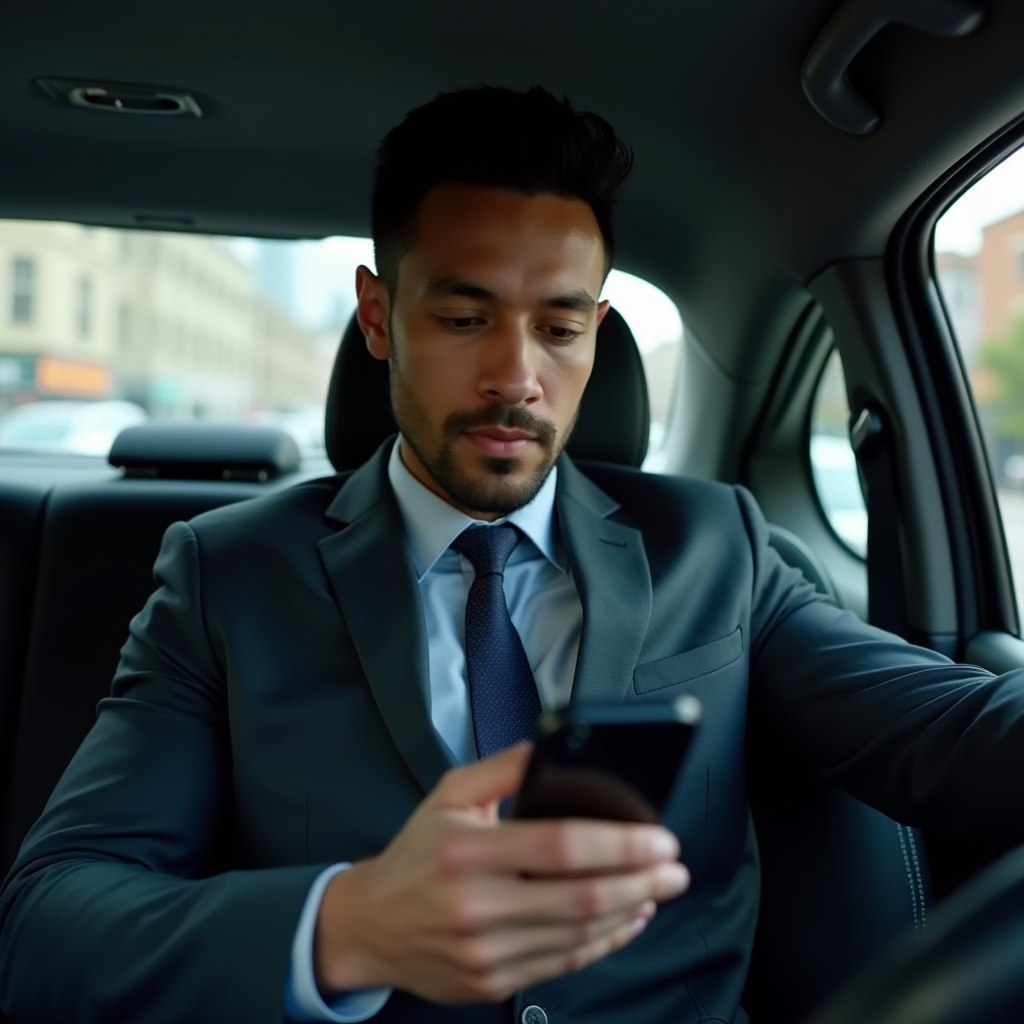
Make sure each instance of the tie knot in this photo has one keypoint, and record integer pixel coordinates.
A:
(487, 547)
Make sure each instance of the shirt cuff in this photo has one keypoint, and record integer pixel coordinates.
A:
(302, 999)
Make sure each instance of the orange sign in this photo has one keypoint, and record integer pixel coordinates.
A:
(70, 377)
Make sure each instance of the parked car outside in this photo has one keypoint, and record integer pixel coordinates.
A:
(68, 427)
(1013, 471)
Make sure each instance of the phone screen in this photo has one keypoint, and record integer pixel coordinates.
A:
(611, 762)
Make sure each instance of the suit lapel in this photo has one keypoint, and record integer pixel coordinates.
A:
(375, 586)
(613, 578)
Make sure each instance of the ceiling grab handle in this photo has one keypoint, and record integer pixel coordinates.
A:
(825, 74)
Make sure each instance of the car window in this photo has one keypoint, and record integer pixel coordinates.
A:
(175, 326)
(833, 464)
(979, 262)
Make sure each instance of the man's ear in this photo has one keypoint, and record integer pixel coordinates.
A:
(602, 310)
(373, 309)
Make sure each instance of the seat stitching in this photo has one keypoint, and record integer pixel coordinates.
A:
(910, 876)
(920, 881)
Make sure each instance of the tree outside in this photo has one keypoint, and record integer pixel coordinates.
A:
(998, 385)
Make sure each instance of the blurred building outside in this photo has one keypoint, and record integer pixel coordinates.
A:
(177, 323)
(984, 296)
(958, 279)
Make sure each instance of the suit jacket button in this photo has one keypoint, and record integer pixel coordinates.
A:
(533, 1015)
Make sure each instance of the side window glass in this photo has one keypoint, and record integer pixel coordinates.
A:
(979, 262)
(833, 464)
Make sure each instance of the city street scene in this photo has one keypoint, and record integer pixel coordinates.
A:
(118, 326)
(106, 328)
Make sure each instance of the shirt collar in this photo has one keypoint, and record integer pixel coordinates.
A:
(431, 523)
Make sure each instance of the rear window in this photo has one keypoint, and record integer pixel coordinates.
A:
(173, 326)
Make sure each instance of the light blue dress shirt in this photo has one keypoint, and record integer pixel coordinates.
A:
(545, 608)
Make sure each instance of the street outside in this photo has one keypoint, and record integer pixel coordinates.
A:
(1011, 504)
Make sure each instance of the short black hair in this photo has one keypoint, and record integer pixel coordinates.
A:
(529, 141)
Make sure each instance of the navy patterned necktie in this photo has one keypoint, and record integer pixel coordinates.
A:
(502, 690)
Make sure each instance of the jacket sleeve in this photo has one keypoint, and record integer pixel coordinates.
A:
(106, 914)
(925, 740)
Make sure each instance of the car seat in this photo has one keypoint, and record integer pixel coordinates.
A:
(83, 555)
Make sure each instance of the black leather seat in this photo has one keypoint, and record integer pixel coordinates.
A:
(21, 514)
(83, 566)
(839, 879)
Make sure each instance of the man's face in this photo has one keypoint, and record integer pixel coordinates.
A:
(491, 337)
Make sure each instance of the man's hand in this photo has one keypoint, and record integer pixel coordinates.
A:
(463, 908)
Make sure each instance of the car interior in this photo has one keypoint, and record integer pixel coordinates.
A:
(791, 162)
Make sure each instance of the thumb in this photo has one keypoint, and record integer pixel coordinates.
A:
(491, 779)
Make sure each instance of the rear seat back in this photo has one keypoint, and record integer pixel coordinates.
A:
(21, 512)
(91, 572)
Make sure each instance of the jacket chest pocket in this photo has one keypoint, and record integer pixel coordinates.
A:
(708, 807)
(690, 665)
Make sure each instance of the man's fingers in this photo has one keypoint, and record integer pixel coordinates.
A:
(524, 973)
(517, 903)
(493, 778)
(502, 948)
(585, 898)
(561, 847)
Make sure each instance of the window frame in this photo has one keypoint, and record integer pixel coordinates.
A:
(985, 595)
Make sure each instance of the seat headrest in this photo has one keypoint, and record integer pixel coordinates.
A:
(613, 425)
(204, 451)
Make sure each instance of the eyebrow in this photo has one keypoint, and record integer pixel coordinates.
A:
(580, 299)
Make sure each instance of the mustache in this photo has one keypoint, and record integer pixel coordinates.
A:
(513, 417)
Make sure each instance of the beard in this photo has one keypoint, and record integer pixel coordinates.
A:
(498, 490)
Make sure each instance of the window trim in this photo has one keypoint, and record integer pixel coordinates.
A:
(985, 593)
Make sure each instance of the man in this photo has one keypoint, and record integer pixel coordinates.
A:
(313, 665)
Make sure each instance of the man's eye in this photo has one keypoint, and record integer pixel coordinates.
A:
(561, 333)
(462, 323)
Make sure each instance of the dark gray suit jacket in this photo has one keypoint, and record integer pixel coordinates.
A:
(274, 690)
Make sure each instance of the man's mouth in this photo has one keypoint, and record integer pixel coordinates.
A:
(500, 442)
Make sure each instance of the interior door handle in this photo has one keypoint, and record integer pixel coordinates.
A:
(825, 74)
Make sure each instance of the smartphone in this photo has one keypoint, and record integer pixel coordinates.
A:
(615, 762)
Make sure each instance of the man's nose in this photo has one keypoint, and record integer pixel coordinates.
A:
(509, 370)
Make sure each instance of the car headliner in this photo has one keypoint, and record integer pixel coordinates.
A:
(741, 193)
